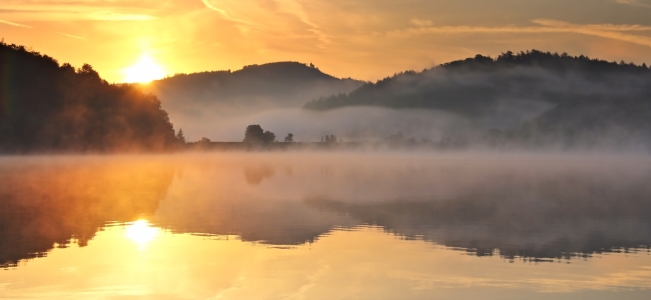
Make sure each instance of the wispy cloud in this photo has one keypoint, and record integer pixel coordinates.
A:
(76, 10)
(296, 9)
(71, 36)
(609, 31)
(421, 23)
(598, 27)
(634, 3)
(209, 4)
(14, 24)
(275, 18)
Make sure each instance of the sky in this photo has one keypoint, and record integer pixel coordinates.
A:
(362, 39)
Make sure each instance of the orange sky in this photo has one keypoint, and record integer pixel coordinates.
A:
(364, 39)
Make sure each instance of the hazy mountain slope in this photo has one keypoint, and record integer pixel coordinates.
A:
(281, 84)
(614, 123)
(48, 107)
(200, 102)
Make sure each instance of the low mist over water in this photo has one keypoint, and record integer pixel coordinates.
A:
(520, 215)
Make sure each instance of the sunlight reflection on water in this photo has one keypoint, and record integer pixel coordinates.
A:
(141, 232)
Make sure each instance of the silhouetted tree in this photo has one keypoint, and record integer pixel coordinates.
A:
(329, 139)
(289, 138)
(254, 134)
(180, 136)
(205, 140)
(269, 137)
(395, 137)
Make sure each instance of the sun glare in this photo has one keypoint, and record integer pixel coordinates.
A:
(141, 232)
(146, 70)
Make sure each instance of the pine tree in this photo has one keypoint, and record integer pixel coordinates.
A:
(181, 137)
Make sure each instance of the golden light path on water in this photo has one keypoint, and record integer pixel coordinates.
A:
(343, 264)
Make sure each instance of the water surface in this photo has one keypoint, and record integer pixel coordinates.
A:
(326, 226)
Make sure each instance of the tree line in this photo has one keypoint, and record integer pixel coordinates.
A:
(50, 107)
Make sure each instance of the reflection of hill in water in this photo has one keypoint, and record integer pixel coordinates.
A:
(562, 216)
(237, 207)
(528, 209)
(272, 223)
(48, 201)
(533, 210)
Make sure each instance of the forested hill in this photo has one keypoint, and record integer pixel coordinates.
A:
(553, 98)
(48, 107)
(473, 86)
(280, 84)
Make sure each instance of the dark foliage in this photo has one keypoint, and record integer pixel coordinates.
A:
(47, 107)
(329, 139)
(254, 134)
(269, 137)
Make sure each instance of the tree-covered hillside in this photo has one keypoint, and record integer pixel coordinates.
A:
(472, 85)
(48, 107)
(567, 99)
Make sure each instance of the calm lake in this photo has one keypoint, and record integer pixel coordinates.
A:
(326, 226)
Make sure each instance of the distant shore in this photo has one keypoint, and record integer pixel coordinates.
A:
(283, 146)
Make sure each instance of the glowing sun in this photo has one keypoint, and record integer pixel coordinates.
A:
(146, 70)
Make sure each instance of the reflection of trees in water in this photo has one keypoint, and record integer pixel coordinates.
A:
(69, 200)
(255, 174)
(538, 222)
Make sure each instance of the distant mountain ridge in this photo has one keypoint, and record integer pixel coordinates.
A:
(283, 84)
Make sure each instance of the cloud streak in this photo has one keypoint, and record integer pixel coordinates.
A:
(227, 15)
(275, 18)
(14, 24)
(68, 11)
(634, 3)
(609, 31)
(71, 36)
